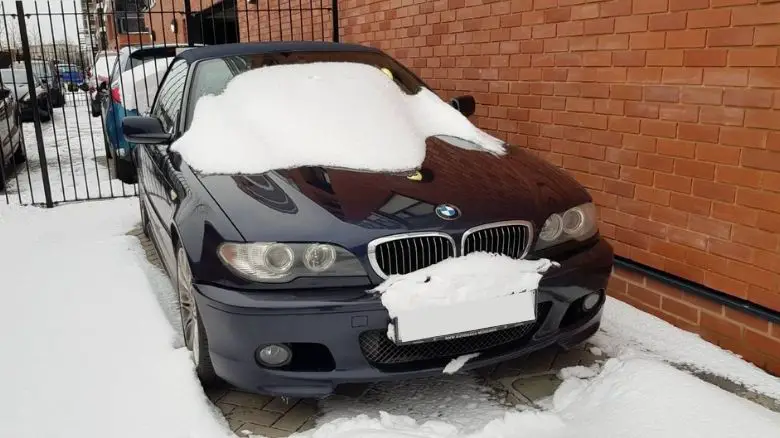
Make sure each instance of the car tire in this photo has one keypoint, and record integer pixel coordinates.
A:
(2, 176)
(144, 217)
(124, 171)
(109, 155)
(20, 156)
(193, 332)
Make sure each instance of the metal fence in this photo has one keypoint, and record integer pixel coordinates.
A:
(61, 64)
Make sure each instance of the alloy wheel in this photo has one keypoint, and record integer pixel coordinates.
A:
(189, 312)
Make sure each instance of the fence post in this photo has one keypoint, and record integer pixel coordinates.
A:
(34, 102)
(334, 10)
(187, 18)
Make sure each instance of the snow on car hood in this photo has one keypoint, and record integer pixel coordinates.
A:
(338, 114)
(138, 85)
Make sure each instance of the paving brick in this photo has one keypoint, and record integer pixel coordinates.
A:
(245, 399)
(296, 417)
(256, 416)
(537, 387)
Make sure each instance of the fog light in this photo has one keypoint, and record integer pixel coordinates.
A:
(590, 301)
(274, 356)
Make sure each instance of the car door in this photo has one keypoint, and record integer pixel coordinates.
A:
(159, 173)
(7, 124)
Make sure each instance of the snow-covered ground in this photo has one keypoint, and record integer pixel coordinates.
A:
(88, 352)
(75, 158)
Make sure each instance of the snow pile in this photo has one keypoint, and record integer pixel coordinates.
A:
(627, 333)
(635, 398)
(463, 295)
(138, 86)
(456, 364)
(338, 114)
(88, 351)
(475, 277)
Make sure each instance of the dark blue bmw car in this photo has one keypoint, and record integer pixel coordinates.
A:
(329, 235)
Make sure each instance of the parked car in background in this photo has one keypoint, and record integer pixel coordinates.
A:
(11, 150)
(98, 78)
(273, 268)
(46, 71)
(134, 79)
(70, 76)
(16, 81)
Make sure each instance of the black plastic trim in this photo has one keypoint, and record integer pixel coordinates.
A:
(700, 290)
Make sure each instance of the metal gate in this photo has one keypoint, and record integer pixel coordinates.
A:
(61, 79)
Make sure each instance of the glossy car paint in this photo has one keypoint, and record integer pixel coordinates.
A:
(345, 208)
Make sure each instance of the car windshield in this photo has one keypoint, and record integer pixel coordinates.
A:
(212, 75)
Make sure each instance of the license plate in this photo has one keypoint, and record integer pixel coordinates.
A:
(462, 319)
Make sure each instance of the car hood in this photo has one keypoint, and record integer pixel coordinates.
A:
(350, 207)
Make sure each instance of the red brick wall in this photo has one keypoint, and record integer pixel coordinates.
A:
(164, 11)
(667, 110)
(755, 339)
(286, 20)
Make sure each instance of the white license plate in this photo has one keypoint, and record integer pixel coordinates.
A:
(462, 319)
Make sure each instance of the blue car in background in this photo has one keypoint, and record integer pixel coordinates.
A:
(132, 84)
(70, 75)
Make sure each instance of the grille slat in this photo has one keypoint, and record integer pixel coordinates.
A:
(408, 254)
(510, 240)
(382, 353)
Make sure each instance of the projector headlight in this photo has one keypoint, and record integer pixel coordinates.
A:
(281, 262)
(578, 223)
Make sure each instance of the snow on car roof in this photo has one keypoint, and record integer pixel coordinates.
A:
(138, 85)
(336, 114)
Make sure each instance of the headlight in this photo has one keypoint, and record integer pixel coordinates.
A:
(282, 262)
(578, 223)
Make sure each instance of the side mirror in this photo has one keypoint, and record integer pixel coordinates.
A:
(465, 104)
(84, 86)
(145, 130)
(4, 93)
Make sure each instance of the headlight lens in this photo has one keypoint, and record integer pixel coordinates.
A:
(552, 229)
(281, 262)
(578, 223)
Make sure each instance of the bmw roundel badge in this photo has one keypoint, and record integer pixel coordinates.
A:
(447, 212)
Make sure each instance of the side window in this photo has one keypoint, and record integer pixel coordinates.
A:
(167, 106)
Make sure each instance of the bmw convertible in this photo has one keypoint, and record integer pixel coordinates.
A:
(274, 266)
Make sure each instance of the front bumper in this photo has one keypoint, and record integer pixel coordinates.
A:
(327, 331)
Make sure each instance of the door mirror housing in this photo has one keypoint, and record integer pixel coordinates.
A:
(465, 104)
(145, 130)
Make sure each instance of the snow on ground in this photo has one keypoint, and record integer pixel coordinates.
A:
(75, 157)
(638, 398)
(356, 117)
(87, 350)
(627, 333)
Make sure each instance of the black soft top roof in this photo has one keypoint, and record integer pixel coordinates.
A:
(237, 49)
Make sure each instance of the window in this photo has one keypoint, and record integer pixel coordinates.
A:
(167, 106)
(211, 77)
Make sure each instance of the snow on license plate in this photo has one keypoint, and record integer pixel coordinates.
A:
(462, 319)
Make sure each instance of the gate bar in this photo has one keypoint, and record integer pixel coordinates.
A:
(334, 11)
(34, 103)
